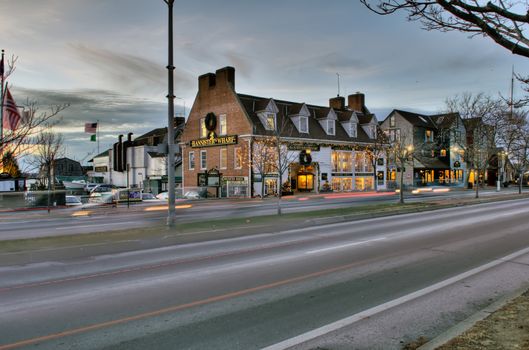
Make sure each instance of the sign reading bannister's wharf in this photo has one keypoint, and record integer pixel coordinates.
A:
(215, 141)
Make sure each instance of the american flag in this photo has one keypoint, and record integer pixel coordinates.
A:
(11, 115)
(90, 128)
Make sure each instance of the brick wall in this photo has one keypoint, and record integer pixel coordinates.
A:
(216, 94)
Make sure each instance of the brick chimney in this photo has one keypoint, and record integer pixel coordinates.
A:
(356, 102)
(226, 75)
(337, 103)
(206, 81)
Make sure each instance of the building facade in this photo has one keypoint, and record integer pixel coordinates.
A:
(438, 143)
(237, 145)
(139, 163)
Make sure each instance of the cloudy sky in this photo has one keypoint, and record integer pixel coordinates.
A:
(107, 58)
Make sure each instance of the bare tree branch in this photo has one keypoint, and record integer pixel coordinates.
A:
(502, 21)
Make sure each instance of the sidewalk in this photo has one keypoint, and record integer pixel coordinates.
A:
(502, 325)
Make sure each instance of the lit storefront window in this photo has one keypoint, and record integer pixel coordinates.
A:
(342, 184)
(364, 183)
(342, 162)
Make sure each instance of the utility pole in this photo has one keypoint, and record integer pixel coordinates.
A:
(2, 104)
(171, 214)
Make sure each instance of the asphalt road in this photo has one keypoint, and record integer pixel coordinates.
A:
(261, 290)
(30, 224)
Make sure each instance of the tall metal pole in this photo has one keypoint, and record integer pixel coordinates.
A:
(2, 106)
(171, 214)
(97, 136)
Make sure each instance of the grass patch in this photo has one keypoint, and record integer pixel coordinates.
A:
(209, 227)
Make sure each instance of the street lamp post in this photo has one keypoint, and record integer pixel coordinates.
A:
(171, 214)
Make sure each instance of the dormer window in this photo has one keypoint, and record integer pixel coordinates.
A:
(353, 130)
(304, 124)
(330, 127)
(270, 121)
(373, 130)
(267, 112)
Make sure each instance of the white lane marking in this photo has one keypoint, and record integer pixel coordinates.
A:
(300, 339)
(344, 245)
(90, 226)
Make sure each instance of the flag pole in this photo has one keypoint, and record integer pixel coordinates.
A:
(97, 136)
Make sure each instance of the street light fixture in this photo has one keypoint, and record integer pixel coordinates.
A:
(171, 213)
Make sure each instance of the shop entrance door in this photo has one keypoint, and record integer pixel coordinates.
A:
(305, 182)
(270, 186)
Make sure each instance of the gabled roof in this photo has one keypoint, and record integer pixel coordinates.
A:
(297, 108)
(289, 108)
(444, 120)
(100, 155)
(471, 123)
(416, 119)
(324, 113)
(346, 116)
(367, 119)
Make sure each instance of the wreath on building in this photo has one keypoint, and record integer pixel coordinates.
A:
(210, 121)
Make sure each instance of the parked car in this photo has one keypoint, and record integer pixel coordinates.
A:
(163, 196)
(192, 195)
(90, 186)
(72, 201)
(103, 188)
(149, 197)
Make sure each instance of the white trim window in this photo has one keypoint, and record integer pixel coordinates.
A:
(191, 160)
(353, 129)
(223, 126)
(237, 158)
(203, 160)
(330, 127)
(223, 158)
(428, 135)
(304, 124)
(270, 121)
(203, 130)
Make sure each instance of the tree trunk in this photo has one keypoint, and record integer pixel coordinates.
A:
(401, 193)
(476, 182)
(520, 182)
(467, 177)
(279, 188)
(262, 186)
(49, 187)
(375, 178)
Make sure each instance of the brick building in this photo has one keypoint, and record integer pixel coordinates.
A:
(220, 136)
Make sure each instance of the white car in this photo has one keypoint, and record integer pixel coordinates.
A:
(149, 197)
(72, 201)
(163, 196)
(192, 195)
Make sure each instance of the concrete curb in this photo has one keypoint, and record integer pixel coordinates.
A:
(468, 323)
